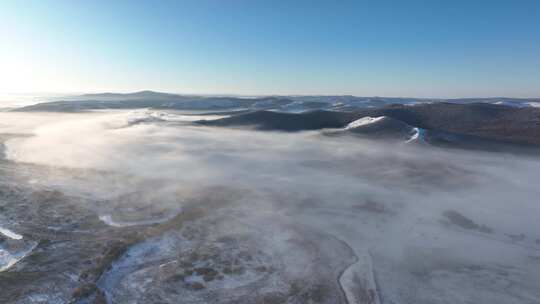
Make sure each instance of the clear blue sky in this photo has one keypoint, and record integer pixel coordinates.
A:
(427, 48)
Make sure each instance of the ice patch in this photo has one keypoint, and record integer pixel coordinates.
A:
(8, 259)
(194, 278)
(363, 121)
(136, 262)
(46, 298)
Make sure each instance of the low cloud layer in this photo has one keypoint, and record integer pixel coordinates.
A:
(397, 201)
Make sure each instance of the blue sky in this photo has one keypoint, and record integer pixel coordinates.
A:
(427, 48)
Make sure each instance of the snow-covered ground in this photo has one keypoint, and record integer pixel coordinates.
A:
(364, 121)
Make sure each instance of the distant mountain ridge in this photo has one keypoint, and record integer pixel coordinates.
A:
(444, 121)
(133, 95)
(155, 100)
(511, 120)
(159, 100)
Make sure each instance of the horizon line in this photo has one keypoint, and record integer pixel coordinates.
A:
(126, 92)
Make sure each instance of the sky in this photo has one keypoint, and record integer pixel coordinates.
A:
(413, 48)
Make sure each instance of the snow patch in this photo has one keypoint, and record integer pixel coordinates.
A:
(364, 121)
(417, 136)
(10, 234)
(107, 219)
